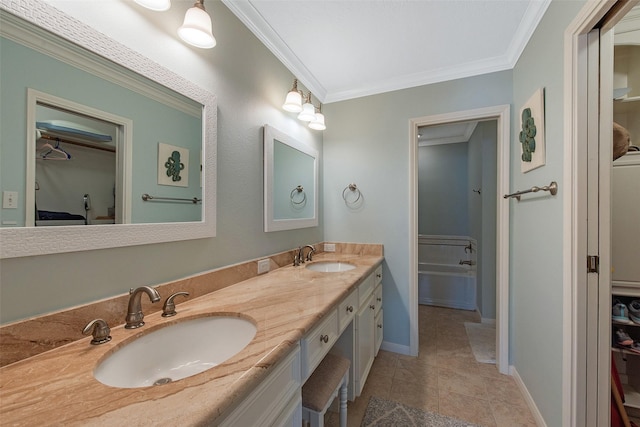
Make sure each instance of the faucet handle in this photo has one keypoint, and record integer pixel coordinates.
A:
(100, 331)
(169, 308)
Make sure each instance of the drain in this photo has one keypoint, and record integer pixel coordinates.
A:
(163, 381)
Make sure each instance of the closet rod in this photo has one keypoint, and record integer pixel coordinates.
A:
(82, 144)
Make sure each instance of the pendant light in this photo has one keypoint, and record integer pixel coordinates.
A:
(196, 29)
(157, 5)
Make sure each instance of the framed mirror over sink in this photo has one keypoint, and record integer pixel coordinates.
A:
(290, 182)
(83, 133)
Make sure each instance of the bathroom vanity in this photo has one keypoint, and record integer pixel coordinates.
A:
(300, 315)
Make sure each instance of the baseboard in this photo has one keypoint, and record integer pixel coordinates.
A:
(396, 348)
(537, 416)
(487, 321)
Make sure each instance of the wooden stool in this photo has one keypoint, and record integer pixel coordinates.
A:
(330, 377)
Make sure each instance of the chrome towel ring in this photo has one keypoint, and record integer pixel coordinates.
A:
(296, 191)
(354, 189)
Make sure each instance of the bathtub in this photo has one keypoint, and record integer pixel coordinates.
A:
(442, 281)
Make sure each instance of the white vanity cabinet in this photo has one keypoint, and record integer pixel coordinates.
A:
(277, 401)
(368, 336)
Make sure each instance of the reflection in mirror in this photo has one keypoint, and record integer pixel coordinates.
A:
(84, 136)
(290, 177)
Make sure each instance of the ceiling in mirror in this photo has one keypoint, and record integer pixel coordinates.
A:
(91, 127)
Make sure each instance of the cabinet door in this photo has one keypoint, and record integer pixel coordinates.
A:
(379, 331)
(365, 342)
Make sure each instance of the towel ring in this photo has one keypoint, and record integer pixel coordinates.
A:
(353, 188)
(298, 189)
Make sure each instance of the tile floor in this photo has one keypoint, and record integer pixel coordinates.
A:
(445, 378)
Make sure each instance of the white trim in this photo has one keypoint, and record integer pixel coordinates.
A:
(574, 216)
(28, 241)
(501, 113)
(252, 19)
(487, 321)
(537, 415)
(396, 348)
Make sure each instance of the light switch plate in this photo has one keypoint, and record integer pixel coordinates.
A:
(329, 247)
(263, 266)
(9, 200)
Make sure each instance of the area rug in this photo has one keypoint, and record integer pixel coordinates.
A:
(482, 337)
(385, 413)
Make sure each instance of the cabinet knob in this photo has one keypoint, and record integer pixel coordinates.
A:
(379, 275)
(350, 309)
(372, 307)
(379, 299)
(324, 338)
(380, 325)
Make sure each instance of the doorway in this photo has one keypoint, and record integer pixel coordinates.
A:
(501, 114)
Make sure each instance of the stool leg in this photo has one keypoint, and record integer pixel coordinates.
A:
(343, 402)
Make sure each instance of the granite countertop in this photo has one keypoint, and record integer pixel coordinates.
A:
(58, 387)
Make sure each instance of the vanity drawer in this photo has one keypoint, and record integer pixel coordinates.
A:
(317, 343)
(365, 289)
(379, 321)
(347, 310)
(377, 274)
(377, 299)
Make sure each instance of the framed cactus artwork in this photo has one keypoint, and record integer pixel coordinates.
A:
(531, 132)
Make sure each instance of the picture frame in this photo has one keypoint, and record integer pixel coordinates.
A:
(531, 135)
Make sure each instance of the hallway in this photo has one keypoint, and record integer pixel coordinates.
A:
(444, 378)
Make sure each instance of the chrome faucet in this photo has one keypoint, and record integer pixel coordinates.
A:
(299, 258)
(468, 262)
(134, 313)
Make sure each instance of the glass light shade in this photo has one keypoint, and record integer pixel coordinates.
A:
(293, 102)
(308, 113)
(196, 29)
(318, 122)
(157, 5)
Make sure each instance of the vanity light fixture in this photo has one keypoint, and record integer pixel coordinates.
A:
(157, 5)
(308, 112)
(196, 28)
(293, 101)
(318, 122)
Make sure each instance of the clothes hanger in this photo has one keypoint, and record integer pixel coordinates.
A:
(54, 153)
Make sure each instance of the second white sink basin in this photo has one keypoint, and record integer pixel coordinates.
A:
(330, 266)
(176, 351)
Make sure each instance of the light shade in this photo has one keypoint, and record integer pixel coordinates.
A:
(318, 122)
(308, 112)
(196, 29)
(293, 102)
(157, 5)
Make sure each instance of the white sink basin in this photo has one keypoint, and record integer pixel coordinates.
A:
(175, 352)
(330, 266)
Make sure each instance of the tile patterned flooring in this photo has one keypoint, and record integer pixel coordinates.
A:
(445, 378)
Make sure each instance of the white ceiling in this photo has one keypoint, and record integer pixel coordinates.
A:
(347, 49)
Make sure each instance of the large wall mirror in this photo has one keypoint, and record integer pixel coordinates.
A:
(89, 127)
(290, 182)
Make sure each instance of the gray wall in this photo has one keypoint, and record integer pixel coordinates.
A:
(367, 142)
(482, 211)
(250, 84)
(442, 190)
(536, 280)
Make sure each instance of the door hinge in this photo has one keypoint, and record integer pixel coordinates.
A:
(593, 264)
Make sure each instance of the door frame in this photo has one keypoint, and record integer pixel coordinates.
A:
(502, 114)
(579, 395)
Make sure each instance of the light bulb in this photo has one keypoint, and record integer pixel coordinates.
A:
(293, 102)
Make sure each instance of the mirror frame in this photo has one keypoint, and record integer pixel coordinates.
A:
(30, 241)
(270, 223)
